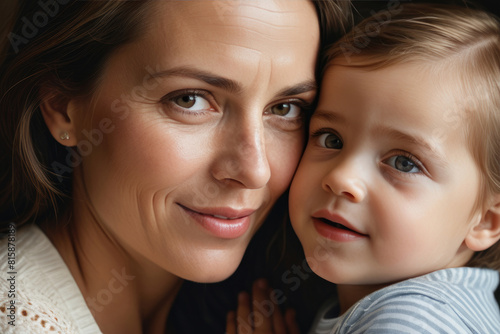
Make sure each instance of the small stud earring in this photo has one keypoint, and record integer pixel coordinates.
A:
(64, 135)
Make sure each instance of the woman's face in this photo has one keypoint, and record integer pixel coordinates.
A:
(195, 130)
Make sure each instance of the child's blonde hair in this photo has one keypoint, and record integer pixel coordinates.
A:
(460, 41)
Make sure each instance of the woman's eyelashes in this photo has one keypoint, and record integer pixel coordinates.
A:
(288, 115)
(198, 102)
(189, 101)
(285, 110)
(292, 109)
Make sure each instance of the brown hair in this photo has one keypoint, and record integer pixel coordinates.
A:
(464, 42)
(63, 45)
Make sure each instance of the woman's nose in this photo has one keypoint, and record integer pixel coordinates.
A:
(346, 178)
(243, 158)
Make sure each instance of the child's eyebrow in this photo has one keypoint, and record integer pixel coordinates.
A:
(415, 140)
(328, 116)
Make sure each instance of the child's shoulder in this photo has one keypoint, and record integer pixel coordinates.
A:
(456, 282)
(450, 301)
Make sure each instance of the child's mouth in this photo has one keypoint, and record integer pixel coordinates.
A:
(337, 225)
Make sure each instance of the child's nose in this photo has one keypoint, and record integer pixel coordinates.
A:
(346, 179)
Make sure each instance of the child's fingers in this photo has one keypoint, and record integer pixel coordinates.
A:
(231, 323)
(263, 307)
(291, 322)
(279, 322)
(243, 318)
(259, 315)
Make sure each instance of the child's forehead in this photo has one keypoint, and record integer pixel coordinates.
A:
(404, 77)
(419, 93)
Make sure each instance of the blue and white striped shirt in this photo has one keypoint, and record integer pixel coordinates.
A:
(457, 300)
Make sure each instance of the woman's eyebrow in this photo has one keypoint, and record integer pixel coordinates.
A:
(303, 87)
(210, 78)
(230, 85)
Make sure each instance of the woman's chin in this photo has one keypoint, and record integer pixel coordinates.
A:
(213, 272)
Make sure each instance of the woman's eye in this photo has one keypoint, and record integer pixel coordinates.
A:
(192, 102)
(330, 140)
(286, 109)
(403, 164)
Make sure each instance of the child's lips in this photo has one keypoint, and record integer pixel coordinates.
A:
(336, 221)
(334, 224)
(336, 232)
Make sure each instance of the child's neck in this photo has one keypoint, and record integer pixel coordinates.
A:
(350, 294)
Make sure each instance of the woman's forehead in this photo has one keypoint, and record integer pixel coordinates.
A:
(253, 24)
(252, 41)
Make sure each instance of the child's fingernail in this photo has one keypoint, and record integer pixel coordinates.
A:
(242, 296)
(262, 284)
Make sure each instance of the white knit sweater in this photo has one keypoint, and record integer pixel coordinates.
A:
(40, 286)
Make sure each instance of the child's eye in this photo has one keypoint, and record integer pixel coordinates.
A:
(330, 140)
(403, 164)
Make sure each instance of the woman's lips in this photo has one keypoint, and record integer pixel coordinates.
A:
(335, 227)
(225, 223)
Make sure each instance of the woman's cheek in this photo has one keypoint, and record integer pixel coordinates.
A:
(284, 158)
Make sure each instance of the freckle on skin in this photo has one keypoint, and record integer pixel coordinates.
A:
(43, 323)
(24, 313)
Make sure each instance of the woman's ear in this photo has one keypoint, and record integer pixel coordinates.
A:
(486, 232)
(59, 114)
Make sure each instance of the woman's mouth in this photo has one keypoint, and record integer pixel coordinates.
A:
(222, 222)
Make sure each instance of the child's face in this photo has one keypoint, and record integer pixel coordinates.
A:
(387, 157)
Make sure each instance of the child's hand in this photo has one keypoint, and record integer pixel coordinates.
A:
(261, 315)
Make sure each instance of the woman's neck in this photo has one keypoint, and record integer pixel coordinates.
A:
(125, 292)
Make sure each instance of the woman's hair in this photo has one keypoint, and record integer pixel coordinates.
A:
(457, 41)
(62, 46)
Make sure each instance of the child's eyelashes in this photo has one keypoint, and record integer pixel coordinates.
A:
(399, 160)
(403, 163)
(328, 138)
(407, 164)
